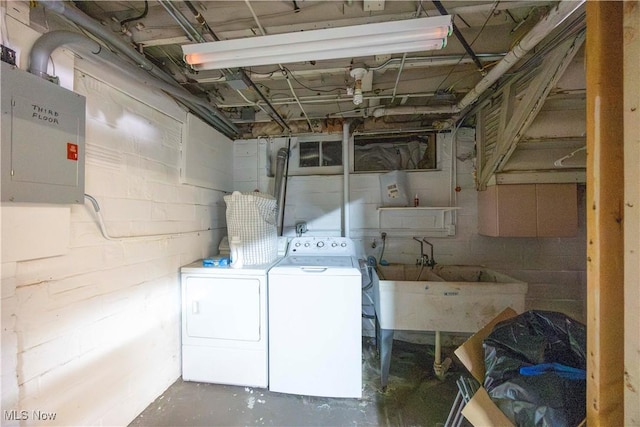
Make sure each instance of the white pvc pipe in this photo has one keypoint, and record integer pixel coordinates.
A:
(141, 237)
(542, 29)
(388, 111)
(529, 41)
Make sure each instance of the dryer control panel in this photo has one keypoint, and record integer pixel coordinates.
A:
(319, 246)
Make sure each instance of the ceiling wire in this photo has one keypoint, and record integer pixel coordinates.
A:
(511, 16)
(173, 11)
(283, 99)
(135, 18)
(460, 37)
(203, 22)
(404, 58)
(252, 103)
(395, 86)
(307, 8)
(495, 5)
(267, 108)
(310, 88)
(282, 69)
(266, 74)
(570, 30)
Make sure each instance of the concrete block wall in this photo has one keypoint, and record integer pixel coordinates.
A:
(553, 267)
(92, 335)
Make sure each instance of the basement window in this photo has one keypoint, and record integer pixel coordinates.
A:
(375, 153)
(317, 154)
(320, 153)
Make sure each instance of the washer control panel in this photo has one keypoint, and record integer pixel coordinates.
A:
(333, 246)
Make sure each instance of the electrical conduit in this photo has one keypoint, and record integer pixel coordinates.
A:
(282, 69)
(196, 36)
(48, 42)
(205, 109)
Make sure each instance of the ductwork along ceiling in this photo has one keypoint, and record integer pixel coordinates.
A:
(429, 89)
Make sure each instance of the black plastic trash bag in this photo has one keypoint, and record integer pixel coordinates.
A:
(550, 348)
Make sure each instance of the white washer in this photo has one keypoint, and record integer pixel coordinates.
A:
(315, 325)
(224, 324)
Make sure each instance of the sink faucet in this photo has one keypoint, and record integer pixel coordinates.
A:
(431, 262)
(424, 258)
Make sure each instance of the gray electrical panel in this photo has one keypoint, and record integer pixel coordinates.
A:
(42, 136)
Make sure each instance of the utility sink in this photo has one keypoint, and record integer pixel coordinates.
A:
(447, 298)
(452, 298)
(471, 273)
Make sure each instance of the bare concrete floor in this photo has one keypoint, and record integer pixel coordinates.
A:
(414, 397)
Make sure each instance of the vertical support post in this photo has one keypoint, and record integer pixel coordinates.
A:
(605, 192)
(631, 211)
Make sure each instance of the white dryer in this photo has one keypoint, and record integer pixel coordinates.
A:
(224, 324)
(315, 325)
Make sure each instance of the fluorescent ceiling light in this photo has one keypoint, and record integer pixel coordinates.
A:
(413, 35)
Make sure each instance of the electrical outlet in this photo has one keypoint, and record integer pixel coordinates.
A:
(301, 227)
(8, 55)
(383, 235)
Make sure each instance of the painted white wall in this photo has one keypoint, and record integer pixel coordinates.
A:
(553, 267)
(92, 333)
(91, 329)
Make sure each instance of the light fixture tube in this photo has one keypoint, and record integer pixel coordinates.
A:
(320, 55)
(396, 39)
(361, 40)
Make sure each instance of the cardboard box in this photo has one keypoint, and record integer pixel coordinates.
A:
(480, 410)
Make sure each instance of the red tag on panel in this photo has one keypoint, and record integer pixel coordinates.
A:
(72, 151)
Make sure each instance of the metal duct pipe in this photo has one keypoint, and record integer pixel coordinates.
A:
(281, 159)
(345, 178)
(282, 156)
(101, 31)
(48, 42)
(213, 116)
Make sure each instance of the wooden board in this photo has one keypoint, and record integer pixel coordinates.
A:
(605, 184)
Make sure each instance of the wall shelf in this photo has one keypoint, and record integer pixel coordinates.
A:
(432, 208)
(437, 220)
